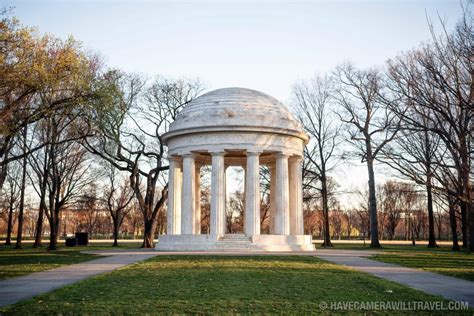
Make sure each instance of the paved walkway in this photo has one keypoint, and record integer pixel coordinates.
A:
(21, 288)
(432, 283)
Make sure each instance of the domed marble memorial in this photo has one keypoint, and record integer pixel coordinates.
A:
(235, 127)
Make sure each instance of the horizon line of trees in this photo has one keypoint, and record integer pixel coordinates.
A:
(402, 209)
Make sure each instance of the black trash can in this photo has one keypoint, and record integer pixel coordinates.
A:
(71, 242)
(82, 239)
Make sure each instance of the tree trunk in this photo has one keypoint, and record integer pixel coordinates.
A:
(10, 226)
(374, 230)
(42, 205)
(39, 229)
(54, 234)
(467, 211)
(42, 208)
(431, 223)
(149, 233)
(470, 230)
(19, 235)
(462, 205)
(452, 221)
(326, 231)
(116, 232)
(467, 220)
(391, 232)
(470, 221)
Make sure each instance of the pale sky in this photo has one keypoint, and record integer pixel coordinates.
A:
(263, 45)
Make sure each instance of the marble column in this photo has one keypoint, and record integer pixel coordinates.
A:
(252, 195)
(296, 196)
(271, 207)
(218, 194)
(244, 166)
(225, 199)
(173, 217)
(189, 196)
(197, 207)
(282, 203)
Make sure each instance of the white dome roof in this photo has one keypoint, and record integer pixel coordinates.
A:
(235, 109)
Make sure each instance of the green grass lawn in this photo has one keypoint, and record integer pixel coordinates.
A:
(15, 262)
(456, 264)
(459, 264)
(218, 285)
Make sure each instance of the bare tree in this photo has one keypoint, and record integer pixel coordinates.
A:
(205, 208)
(41, 165)
(117, 198)
(21, 209)
(414, 155)
(235, 212)
(336, 217)
(453, 221)
(350, 217)
(70, 170)
(435, 82)
(88, 204)
(396, 201)
(312, 101)
(313, 222)
(128, 134)
(449, 202)
(371, 126)
(10, 198)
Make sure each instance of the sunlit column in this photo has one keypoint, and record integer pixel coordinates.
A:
(296, 196)
(189, 196)
(252, 194)
(282, 216)
(197, 207)
(173, 226)
(218, 194)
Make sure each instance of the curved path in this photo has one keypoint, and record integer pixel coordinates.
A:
(24, 287)
(437, 284)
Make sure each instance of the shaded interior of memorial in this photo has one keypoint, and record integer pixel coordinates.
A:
(235, 199)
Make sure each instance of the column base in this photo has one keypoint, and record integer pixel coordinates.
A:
(235, 243)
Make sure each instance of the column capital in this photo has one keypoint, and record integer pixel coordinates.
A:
(296, 159)
(217, 153)
(281, 155)
(189, 155)
(253, 153)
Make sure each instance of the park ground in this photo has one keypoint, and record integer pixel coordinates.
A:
(224, 284)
